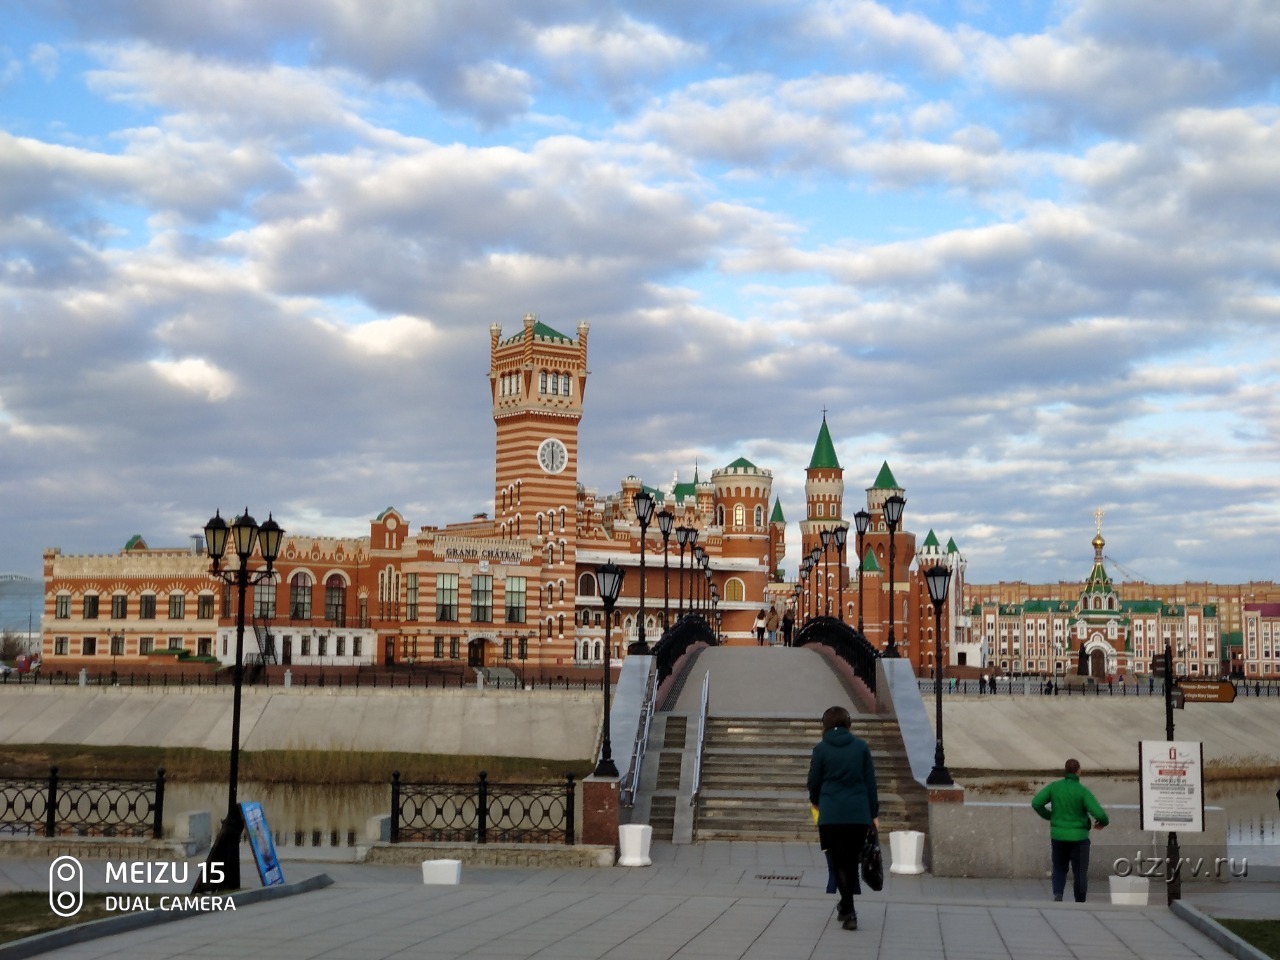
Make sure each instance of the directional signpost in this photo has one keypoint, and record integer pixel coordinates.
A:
(1207, 691)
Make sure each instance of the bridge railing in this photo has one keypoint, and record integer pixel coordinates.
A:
(628, 797)
(847, 644)
(690, 629)
(702, 737)
(480, 812)
(53, 806)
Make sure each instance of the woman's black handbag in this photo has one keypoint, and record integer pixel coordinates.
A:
(871, 862)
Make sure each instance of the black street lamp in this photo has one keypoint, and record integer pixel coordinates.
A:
(802, 596)
(610, 578)
(224, 856)
(938, 578)
(841, 535)
(644, 514)
(706, 570)
(814, 556)
(825, 536)
(683, 535)
(695, 567)
(861, 520)
(665, 520)
(893, 507)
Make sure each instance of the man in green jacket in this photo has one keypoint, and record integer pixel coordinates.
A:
(1070, 805)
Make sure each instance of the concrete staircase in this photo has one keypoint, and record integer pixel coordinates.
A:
(754, 771)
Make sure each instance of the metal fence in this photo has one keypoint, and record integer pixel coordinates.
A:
(1059, 687)
(309, 677)
(481, 812)
(52, 806)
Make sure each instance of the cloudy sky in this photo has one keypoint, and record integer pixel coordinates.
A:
(1027, 252)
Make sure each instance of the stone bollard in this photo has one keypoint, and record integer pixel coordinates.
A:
(288, 679)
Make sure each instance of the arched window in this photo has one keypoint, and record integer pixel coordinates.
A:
(539, 524)
(564, 384)
(587, 585)
(759, 518)
(335, 599)
(300, 596)
(562, 519)
(560, 625)
(739, 516)
(542, 382)
(720, 514)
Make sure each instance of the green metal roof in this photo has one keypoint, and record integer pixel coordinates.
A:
(777, 511)
(540, 329)
(742, 462)
(824, 451)
(931, 540)
(136, 543)
(951, 546)
(884, 479)
(869, 564)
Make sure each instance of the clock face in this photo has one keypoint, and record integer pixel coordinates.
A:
(552, 456)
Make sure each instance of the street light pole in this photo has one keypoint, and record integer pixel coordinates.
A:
(644, 513)
(682, 537)
(893, 507)
(841, 535)
(610, 578)
(665, 519)
(938, 578)
(861, 520)
(223, 870)
(814, 556)
(825, 536)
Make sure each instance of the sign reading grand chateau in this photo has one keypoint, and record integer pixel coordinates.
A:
(471, 550)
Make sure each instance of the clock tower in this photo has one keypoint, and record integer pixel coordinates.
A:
(537, 378)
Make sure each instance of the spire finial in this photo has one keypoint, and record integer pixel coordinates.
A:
(1098, 514)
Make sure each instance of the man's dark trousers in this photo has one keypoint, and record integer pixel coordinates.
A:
(1073, 854)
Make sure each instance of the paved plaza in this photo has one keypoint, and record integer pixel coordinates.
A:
(709, 901)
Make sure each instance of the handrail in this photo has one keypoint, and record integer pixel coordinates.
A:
(642, 738)
(702, 733)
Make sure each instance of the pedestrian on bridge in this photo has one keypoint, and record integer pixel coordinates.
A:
(842, 785)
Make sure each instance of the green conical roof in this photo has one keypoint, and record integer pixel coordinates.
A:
(824, 451)
(951, 546)
(931, 540)
(743, 462)
(777, 511)
(884, 479)
(869, 564)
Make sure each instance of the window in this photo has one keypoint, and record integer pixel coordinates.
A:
(734, 590)
(564, 384)
(516, 599)
(322, 645)
(264, 600)
(91, 606)
(506, 648)
(204, 647)
(175, 643)
(204, 606)
(117, 645)
(119, 606)
(482, 598)
(62, 607)
(146, 645)
(411, 596)
(88, 646)
(61, 645)
(759, 518)
(335, 599)
(453, 648)
(300, 596)
(306, 646)
(739, 516)
(542, 382)
(177, 606)
(438, 651)
(341, 649)
(447, 597)
(147, 607)
(355, 646)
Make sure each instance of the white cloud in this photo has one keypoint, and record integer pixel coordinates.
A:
(44, 57)
(197, 376)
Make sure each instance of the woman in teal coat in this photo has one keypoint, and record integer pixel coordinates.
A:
(842, 786)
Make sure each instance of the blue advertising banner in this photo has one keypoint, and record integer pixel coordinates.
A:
(264, 849)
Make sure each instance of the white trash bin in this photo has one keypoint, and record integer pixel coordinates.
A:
(1130, 891)
(906, 852)
(634, 840)
(442, 871)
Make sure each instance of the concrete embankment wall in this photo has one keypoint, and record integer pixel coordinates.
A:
(552, 725)
(1039, 733)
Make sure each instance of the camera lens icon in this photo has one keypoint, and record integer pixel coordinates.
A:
(66, 886)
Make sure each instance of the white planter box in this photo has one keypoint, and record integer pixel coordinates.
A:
(442, 871)
(906, 852)
(634, 840)
(1130, 891)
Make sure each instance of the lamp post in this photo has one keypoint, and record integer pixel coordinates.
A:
(802, 597)
(861, 520)
(893, 507)
(682, 537)
(609, 576)
(841, 535)
(938, 578)
(814, 555)
(644, 513)
(665, 519)
(224, 856)
(706, 570)
(695, 566)
(825, 536)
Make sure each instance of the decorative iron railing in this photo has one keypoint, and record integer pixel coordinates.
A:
(690, 629)
(847, 644)
(482, 812)
(53, 807)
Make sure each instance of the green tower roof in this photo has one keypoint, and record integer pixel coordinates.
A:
(931, 540)
(951, 546)
(743, 462)
(540, 329)
(777, 511)
(869, 564)
(824, 451)
(884, 479)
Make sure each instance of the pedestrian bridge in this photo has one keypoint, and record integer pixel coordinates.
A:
(728, 746)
